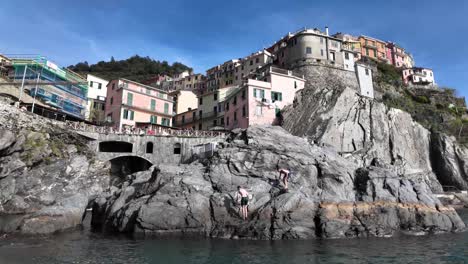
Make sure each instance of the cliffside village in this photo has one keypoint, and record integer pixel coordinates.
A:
(235, 94)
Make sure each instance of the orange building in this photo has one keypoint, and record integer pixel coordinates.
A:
(373, 48)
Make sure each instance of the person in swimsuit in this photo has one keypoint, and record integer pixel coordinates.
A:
(244, 201)
(284, 176)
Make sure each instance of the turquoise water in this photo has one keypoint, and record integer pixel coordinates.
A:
(83, 246)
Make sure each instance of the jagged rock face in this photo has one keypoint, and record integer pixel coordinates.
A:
(331, 112)
(47, 177)
(329, 196)
(450, 161)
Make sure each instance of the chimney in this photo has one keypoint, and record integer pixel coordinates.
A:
(326, 30)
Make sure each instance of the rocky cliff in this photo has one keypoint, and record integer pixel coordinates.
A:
(47, 175)
(329, 196)
(330, 111)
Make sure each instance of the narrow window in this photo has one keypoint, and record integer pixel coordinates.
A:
(166, 108)
(235, 115)
(227, 121)
(149, 147)
(215, 122)
(367, 71)
(177, 148)
(215, 109)
(308, 50)
(235, 100)
(257, 60)
(321, 52)
(125, 114)
(113, 86)
(346, 55)
(244, 112)
(91, 83)
(200, 101)
(215, 96)
(99, 86)
(130, 99)
(153, 105)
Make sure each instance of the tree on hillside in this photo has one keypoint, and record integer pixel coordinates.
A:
(135, 68)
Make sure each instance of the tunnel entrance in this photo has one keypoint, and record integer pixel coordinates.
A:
(115, 146)
(123, 166)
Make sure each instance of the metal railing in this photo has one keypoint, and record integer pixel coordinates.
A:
(159, 131)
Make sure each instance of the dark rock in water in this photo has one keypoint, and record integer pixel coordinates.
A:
(329, 196)
(450, 161)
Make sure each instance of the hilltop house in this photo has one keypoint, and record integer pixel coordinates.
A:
(419, 76)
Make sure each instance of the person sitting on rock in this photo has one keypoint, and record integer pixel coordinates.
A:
(284, 176)
(243, 195)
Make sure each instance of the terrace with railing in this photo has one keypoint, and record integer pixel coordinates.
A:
(158, 131)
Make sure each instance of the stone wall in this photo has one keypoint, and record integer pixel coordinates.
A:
(163, 147)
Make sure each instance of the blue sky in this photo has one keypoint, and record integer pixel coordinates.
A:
(202, 34)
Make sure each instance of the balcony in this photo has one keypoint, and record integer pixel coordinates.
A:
(370, 45)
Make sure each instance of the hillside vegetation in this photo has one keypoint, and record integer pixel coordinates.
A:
(437, 110)
(135, 68)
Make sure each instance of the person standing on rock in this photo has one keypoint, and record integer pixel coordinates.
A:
(243, 195)
(284, 177)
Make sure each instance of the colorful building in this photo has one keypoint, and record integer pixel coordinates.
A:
(373, 48)
(398, 56)
(186, 120)
(419, 76)
(58, 88)
(258, 102)
(132, 104)
(96, 99)
(184, 100)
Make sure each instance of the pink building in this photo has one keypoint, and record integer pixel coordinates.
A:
(134, 104)
(397, 56)
(257, 102)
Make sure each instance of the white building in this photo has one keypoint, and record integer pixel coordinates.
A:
(364, 75)
(418, 75)
(349, 59)
(96, 98)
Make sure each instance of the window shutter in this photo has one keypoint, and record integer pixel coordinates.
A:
(254, 93)
(131, 115)
(153, 104)
(166, 108)
(262, 93)
(129, 99)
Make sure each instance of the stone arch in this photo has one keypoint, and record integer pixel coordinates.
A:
(122, 166)
(177, 148)
(115, 146)
(149, 147)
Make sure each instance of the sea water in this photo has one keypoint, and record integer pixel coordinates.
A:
(83, 246)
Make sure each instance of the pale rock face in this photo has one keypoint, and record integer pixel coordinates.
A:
(362, 129)
(329, 196)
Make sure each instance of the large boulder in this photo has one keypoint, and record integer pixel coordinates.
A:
(47, 175)
(329, 196)
(450, 161)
